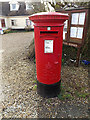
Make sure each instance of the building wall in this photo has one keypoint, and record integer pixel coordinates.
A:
(19, 20)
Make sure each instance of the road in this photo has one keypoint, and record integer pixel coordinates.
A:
(16, 72)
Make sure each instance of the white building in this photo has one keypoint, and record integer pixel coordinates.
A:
(14, 14)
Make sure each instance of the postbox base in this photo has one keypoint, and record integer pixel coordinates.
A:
(48, 91)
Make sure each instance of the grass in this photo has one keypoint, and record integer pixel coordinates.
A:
(35, 87)
(15, 31)
(49, 101)
(82, 94)
(35, 81)
(61, 96)
(67, 95)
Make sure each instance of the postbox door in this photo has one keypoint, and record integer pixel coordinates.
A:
(48, 56)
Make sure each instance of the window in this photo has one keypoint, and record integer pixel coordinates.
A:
(3, 22)
(28, 23)
(13, 22)
(29, 6)
(13, 6)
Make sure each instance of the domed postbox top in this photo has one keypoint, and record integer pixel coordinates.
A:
(48, 18)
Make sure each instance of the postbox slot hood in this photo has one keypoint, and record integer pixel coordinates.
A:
(56, 32)
(48, 33)
(48, 18)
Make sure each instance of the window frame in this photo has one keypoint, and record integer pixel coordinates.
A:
(13, 22)
(27, 20)
(29, 6)
(14, 5)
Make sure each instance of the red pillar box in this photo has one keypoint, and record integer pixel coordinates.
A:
(48, 30)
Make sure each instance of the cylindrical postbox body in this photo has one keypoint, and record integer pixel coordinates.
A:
(48, 30)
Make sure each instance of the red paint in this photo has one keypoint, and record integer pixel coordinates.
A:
(48, 65)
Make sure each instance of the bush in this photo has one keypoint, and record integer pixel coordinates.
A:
(31, 54)
(7, 31)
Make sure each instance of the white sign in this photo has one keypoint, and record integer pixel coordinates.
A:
(66, 24)
(73, 32)
(64, 35)
(75, 18)
(48, 46)
(82, 18)
(78, 18)
(76, 32)
(80, 32)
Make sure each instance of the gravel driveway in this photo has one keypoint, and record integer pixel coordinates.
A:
(18, 95)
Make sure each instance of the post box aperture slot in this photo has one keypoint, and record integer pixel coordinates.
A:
(48, 32)
(48, 46)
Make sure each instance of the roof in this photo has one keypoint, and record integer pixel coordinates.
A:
(21, 11)
(5, 9)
